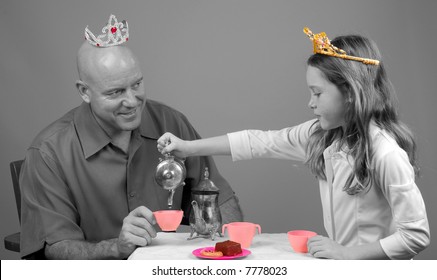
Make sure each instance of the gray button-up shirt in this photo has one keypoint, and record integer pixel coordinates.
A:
(77, 185)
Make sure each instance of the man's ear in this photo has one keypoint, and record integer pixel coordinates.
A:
(84, 91)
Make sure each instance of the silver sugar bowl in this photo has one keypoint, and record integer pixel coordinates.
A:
(205, 217)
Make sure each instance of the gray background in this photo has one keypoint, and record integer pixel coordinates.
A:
(228, 65)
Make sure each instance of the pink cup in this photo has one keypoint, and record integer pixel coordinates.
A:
(241, 232)
(168, 220)
(299, 238)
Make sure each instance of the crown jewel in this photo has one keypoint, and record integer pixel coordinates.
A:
(322, 45)
(114, 33)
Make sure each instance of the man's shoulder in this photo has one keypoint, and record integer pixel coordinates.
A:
(58, 128)
(166, 119)
(161, 112)
(159, 107)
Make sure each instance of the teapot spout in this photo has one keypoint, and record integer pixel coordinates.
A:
(170, 199)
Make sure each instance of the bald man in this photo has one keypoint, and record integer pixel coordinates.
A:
(88, 188)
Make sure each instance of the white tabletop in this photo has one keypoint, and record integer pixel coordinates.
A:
(174, 245)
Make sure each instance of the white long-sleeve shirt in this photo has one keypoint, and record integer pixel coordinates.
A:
(391, 212)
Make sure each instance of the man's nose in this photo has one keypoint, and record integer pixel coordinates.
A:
(130, 98)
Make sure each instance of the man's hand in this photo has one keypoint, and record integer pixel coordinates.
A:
(137, 230)
(323, 247)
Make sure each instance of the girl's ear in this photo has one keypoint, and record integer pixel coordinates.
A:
(347, 89)
(84, 91)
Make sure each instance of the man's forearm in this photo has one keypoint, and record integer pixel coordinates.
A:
(83, 250)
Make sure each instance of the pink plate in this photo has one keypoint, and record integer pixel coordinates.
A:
(197, 254)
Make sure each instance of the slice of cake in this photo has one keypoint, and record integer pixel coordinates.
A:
(228, 248)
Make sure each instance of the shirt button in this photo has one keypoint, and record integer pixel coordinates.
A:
(132, 194)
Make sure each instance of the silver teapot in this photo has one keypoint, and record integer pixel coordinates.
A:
(170, 174)
(205, 217)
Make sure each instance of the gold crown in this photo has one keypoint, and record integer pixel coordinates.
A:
(322, 45)
(114, 33)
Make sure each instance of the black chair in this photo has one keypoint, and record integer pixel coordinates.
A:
(12, 242)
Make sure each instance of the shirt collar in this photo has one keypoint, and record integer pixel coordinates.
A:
(374, 129)
(148, 127)
(92, 137)
(335, 148)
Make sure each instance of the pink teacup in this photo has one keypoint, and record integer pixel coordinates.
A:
(299, 238)
(241, 232)
(168, 220)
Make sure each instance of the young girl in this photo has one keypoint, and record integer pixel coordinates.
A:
(362, 155)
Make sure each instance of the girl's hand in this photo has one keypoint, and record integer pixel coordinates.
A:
(168, 143)
(323, 247)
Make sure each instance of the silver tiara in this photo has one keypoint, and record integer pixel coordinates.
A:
(114, 33)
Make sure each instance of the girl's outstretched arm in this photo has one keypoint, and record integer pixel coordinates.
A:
(202, 147)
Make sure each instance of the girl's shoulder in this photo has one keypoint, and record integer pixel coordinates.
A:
(389, 160)
(383, 143)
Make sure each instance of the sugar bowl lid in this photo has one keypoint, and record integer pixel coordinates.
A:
(206, 185)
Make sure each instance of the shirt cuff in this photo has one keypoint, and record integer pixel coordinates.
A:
(240, 145)
(395, 248)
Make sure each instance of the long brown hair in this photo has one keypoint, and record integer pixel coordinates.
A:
(371, 97)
